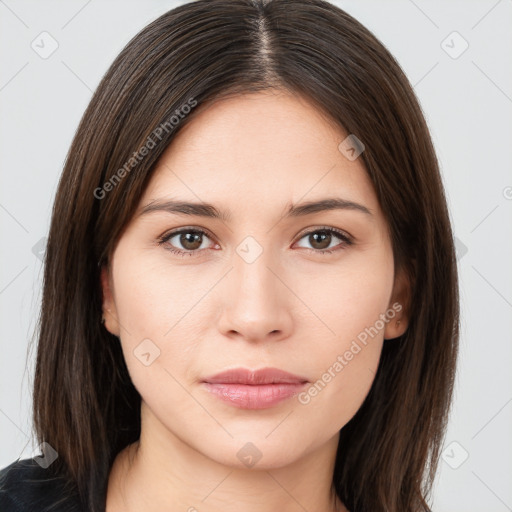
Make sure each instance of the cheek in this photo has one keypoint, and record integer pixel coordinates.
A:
(345, 358)
(343, 302)
(153, 297)
(344, 371)
(158, 310)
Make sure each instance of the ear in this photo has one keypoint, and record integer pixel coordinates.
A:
(109, 306)
(400, 302)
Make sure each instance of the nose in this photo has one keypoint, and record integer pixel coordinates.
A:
(256, 301)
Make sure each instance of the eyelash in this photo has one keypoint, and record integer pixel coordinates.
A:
(346, 240)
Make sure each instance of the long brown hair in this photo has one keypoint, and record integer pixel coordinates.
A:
(85, 405)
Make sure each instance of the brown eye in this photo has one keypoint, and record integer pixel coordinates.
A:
(184, 241)
(320, 240)
(190, 241)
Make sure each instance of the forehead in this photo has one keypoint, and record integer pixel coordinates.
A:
(259, 149)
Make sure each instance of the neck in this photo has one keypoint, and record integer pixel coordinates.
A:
(160, 469)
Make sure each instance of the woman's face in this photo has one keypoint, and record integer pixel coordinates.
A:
(255, 286)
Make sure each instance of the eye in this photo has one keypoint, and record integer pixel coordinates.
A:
(191, 241)
(321, 239)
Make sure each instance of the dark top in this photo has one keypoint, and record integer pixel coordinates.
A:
(25, 486)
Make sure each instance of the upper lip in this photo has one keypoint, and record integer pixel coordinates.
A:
(261, 376)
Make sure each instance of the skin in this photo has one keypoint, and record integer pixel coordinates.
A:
(292, 308)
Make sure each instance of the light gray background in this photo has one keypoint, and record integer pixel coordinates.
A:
(467, 102)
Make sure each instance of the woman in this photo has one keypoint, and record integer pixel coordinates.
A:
(250, 293)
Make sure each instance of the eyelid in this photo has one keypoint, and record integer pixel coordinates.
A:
(185, 229)
(313, 229)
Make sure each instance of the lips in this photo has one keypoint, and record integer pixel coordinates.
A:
(258, 377)
(254, 390)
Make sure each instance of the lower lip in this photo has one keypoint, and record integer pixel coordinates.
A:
(248, 396)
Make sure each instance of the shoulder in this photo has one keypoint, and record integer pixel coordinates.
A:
(27, 486)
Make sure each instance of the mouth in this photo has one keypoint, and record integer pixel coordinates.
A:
(260, 389)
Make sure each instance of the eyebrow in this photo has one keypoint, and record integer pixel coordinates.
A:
(209, 210)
